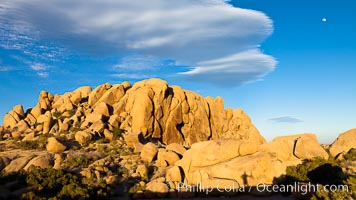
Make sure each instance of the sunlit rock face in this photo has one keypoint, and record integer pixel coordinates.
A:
(161, 112)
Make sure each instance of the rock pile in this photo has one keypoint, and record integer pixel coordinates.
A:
(169, 114)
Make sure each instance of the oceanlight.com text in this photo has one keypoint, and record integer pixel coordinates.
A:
(302, 188)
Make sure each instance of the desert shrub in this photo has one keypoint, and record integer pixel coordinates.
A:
(351, 155)
(136, 188)
(324, 173)
(102, 141)
(117, 133)
(71, 112)
(58, 184)
(80, 162)
(56, 114)
(348, 192)
(75, 129)
(317, 170)
(39, 143)
(36, 124)
(2, 133)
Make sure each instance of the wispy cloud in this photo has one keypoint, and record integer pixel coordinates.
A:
(137, 62)
(210, 36)
(39, 67)
(285, 119)
(135, 76)
(43, 74)
(5, 68)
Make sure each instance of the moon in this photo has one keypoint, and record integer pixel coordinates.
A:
(323, 19)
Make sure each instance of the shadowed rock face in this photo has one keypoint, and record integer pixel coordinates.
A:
(344, 143)
(167, 113)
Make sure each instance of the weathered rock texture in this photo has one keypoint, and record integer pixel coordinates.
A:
(166, 113)
(235, 163)
(344, 143)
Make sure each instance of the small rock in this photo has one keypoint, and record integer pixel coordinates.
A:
(149, 152)
(108, 134)
(53, 145)
(156, 188)
(16, 134)
(114, 120)
(98, 126)
(83, 137)
(46, 120)
(29, 136)
(138, 195)
(166, 158)
(57, 161)
(134, 138)
(111, 179)
(86, 173)
(175, 147)
(142, 170)
(174, 174)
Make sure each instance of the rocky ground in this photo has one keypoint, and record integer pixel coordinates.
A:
(146, 141)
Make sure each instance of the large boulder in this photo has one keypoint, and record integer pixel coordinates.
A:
(231, 163)
(13, 117)
(42, 161)
(212, 152)
(18, 163)
(295, 147)
(97, 93)
(344, 142)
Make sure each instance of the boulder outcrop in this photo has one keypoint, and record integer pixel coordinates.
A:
(235, 163)
(151, 107)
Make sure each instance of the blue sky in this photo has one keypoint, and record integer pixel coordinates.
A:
(288, 69)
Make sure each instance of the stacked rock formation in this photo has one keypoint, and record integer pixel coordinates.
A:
(169, 114)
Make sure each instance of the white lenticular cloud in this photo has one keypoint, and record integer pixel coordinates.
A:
(218, 41)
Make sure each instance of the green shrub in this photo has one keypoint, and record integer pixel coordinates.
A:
(317, 170)
(79, 162)
(39, 143)
(117, 133)
(58, 184)
(345, 193)
(56, 114)
(75, 129)
(324, 172)
(136, 188)
(351, 155)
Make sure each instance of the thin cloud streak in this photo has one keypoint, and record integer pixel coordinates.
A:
(285, 119)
